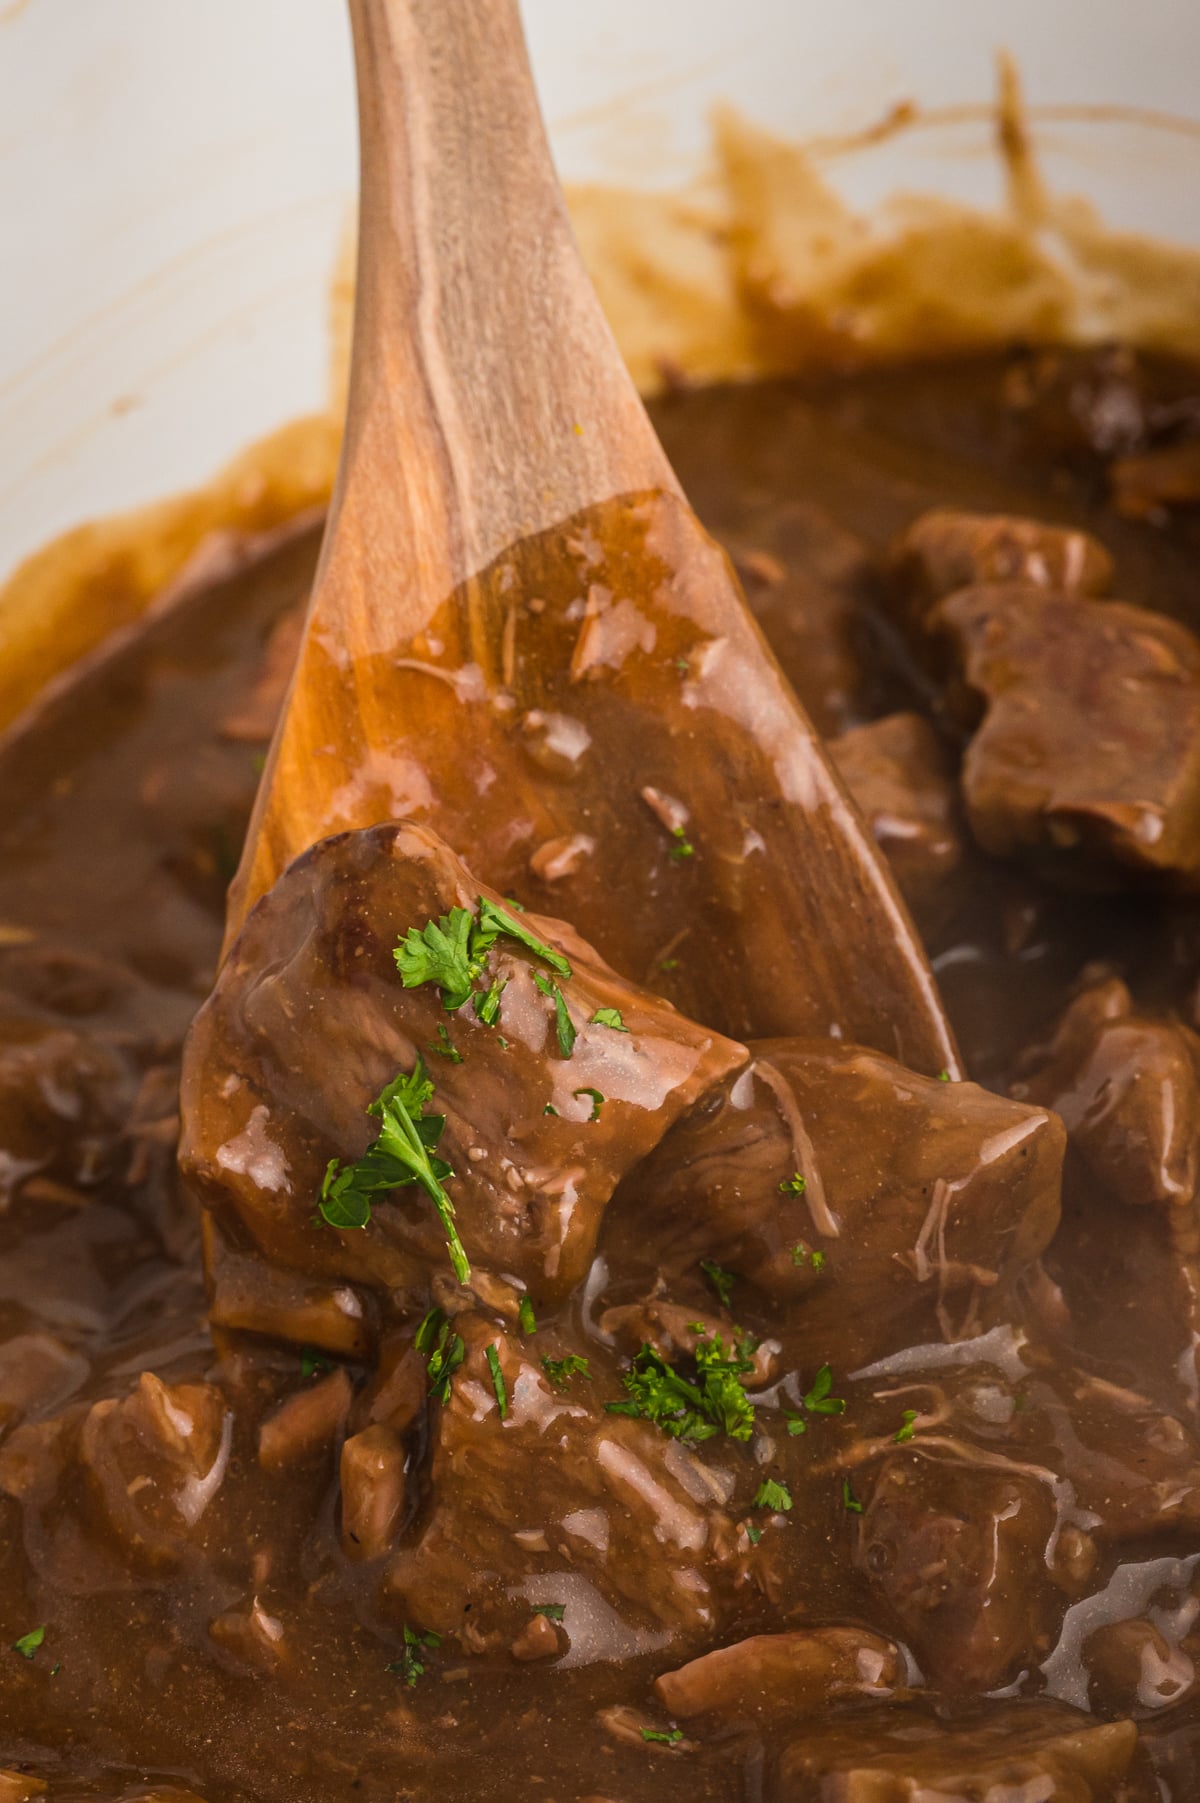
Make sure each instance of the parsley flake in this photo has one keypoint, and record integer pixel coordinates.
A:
(668, 1740)
(909, 1427)
(313, 1363)
(552, 1611)
(715, 1402)
(498, 1383)
(445, 952)
(410, 1666)
(526, 1318)
(721, 1281)
(793, 1185)
(561, 1371)
(943, 1076)
(549, 1108)
(564, 1026)
(771, 1495)
(683, 847)
(402, 1154)
(817, 1261)
(609, 1017)
(819, 1401)
(444, 1046)
(443, 1351)
(753, 1534)
(598, 1100)
(495, 920)
(849, 1501)
(487, 1004)
(796, 1424)
(29, 1643)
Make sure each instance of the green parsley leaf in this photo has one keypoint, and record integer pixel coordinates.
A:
(682, 665)
(610, 1017)
(668, 1740)
(442, 952)
(563, 1024)
(683, 847)
(908, 1429)
(494, 920)
(771, 1495)
(402, 1154)
(943, 1076)
(549, 1108)
(526, 1318)
(818, 1261)
(409, 1666)
(445, 1046)
(313, 1363)
(442, 1349)
(552, 1611)
(793, 1185)
(849, 1501)
(691, 1411)
(498, 1383)
(819, 1401)
(796, 1424)
(597, 1100)
(487, 1006)
(721, 1281)
(29, 1643)
(561, 1371)
(753, 1534)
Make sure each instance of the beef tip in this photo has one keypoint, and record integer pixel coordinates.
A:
(310, 1022)
(1132, 1466)
(372, 1480)
(538, 1639)
(896, 771)
(1087, 759)
(306, 1425)
(782, 1674)
(252, 1297)
(1134, 1669)
(63, 1094)
(946, 550)
(1007, 1753)
(957, 1556)
(251, 1638)
(922, 1200)
(1128, 1089)
(155, 1460)
(38, 1373)
(558, 1502)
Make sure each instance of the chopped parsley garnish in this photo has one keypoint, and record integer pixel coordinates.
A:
(525, 1316)
(668, 1740)
(313, 1363)
(597, 1100)
(721, 1281)
(819, 1401)
(849, 1501)
(564, 1026)
(943, 1076)
(444, 1046)
(683, 847)
(771, 1495)
(909, 1427)
(793, 1185)
(796, 1424)
(487, 1004)
(446, 952)
(498, 1383)
(549, 1108)
(402, 1154)
(552, 1611)
(682, 665)
(561, 1371)
(610, 1017)
(410, 1666)
(495, 920)
(801, 1254)
(753, 1534)
(817, 1261)
(688, 1410)
(29, 1643)
(442, 1349)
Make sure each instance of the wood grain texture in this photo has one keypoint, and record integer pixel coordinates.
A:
(507, 544)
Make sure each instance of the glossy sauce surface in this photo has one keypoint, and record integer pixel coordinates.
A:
(1061, 1437)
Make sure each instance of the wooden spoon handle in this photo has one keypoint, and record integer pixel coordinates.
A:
(561, 425)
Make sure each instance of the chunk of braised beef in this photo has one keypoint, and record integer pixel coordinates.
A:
(372, 1489)
(310, 1021)
(898, 774)
(922, 1200)
(946, 550)
(675, 1331)
(1133, 1669)
(799, 1673)
(956, 1553)
(1008, 1752)
(1086, 760)
(556, 1501)
(307, 1424)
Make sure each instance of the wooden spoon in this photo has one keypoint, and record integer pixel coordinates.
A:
(519, 633)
